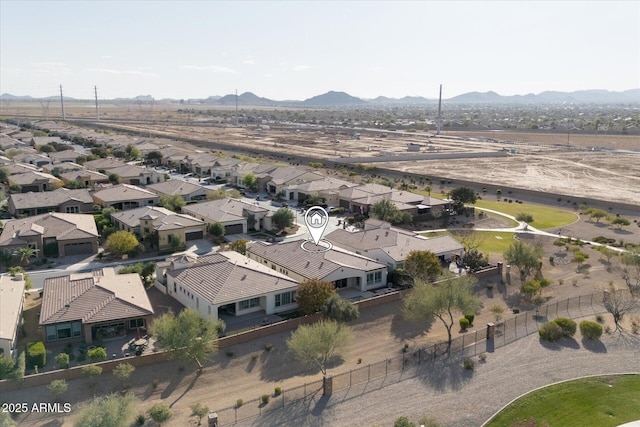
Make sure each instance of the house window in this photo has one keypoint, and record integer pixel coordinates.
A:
(248, 303)
(342, 283)
(64, 331)
(136, 323)
(51, 333)
(374, 277)
(285, 298)
(72, 209)
(76, 329)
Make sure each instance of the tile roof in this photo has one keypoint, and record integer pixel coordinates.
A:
(396, 243)
(124, 192)
(173, 187)
(27, 178)
(223, 210)
(130, 171)
(104, 164)
(312, 265)
(49, 198)
(283, 175)
(226, 277)
(62, 226)
(324, 185)
(98, 296)
(11, 294)
(81, 175)
(162, 218)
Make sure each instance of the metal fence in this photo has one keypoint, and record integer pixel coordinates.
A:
(414, 362)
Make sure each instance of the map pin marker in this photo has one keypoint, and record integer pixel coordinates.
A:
(316, 219)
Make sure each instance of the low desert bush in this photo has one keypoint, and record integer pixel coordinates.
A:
(567, 326)
(464, 323)
(590, 330)
(265, 399)
(550, 331)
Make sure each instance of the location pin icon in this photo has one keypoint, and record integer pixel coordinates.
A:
(316, 219)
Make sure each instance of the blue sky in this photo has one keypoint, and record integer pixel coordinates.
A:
(296, 50)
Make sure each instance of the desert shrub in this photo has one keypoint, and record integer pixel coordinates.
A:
(567, 326)
(239, 403)
(469, 364)
(403, 421)
(265, 398)
(140, 419)
(62, 360)
(590, 330)
(550, 331)
(600, 318)
(277, 391)
(470, 317)
(268, 346)
(482, 357)
(36, 354)
(97, 354)
(464, 323)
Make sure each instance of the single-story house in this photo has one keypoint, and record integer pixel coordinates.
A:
(87, 178)
(391, 246)
(35, 159)
(226, 283)
(52, 234)
(11, 305)
(280, 178)
(259, 170)
(327, 188)
(186, 190)
(222, 168)
(136, 175)
(16, 168)
(60, 200)
(233, 214)
(93, 306)
(65, 156)
(147, 220)
(124, 196)
(35, 181)
(341, 267)
(104, 164)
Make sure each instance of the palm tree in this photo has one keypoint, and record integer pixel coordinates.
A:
(24, 253)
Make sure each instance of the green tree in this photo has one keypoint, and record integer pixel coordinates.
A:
(175, 242)
(462, 196)
(114, 178)
(403, 421)
(312, 294)
(97, 354)
(6, 367)
(145, 270)
(620, 222)
(475, 260)
(598, 214)
(316, 344)
(385, 210)
(313, 200)
(282, 218)
(121, 242)
(133, 152)
(606, 252)
(199, 410)
(24, 253)
(524, 217)
(216, 229)
(172, 202)
(580, 257)
(160, 413)
(58, 387)
(113, 410)
(524, 257)
(422, 265)
(426, 301)
(239, 246)
(339, 309)
(154, 157)
(62, 360)
(250, 181)
(188, 336)
(123, 371)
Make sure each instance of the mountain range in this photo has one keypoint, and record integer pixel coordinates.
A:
(342, 99)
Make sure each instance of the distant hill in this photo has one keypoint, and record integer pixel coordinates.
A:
(596, 96)
(337, 99)
(333, 99)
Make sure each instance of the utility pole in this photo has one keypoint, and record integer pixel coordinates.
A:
(62, 103)
(439, 121)
(95, 91)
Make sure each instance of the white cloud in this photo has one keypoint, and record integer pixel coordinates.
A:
(301, 67)
(50, 68)
(249, 62)
(121, 72)
(214, 68)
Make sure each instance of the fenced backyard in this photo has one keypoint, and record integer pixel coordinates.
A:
(415, 361)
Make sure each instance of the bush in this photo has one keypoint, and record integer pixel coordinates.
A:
(470, 317)
(469, 364)
(464, 323)
(268, 346)
(97, 354)
(36, 354)
(62, 360)
(277, 391)
(239, 403)
(403, 421)
(600, 318)
(590, 330)
(567, 326)
(549, 331)
(265, 399)
(140, 419)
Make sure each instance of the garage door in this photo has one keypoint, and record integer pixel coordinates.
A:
(193, 235)
(233, 229)
(78, 249)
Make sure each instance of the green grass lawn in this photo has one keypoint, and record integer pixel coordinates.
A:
(543, 217)
(493, 242)
(601, 401)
